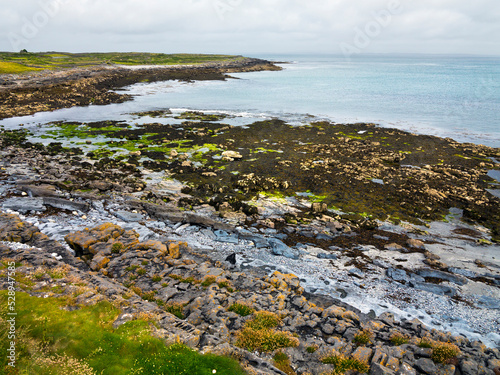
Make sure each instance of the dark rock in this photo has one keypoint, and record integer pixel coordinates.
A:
(378, 369)
(231, 258)
(40, 191)
(324, 237)
(65, 204)
(426, 366)
(469, 367)
(456, 279)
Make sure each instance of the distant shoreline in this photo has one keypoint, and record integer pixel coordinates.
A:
(49, 90)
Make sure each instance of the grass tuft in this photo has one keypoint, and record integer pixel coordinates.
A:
(344, 363)
(241, 308)
(260, 334)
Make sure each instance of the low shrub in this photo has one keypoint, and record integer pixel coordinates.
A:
(342, 363)
(363, 337)
(399, 339)
(207, 281)
(444, 352)
(259, 334)
(176, 309)
(282, 362)
(241, 309)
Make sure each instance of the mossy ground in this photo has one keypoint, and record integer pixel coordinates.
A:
(53, 340)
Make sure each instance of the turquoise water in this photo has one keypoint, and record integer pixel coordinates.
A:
(457, 97)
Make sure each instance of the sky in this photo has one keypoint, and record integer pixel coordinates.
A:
(252, 27)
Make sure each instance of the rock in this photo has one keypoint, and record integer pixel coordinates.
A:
(488, 302)
(231, 155)
(319, 208)
(393, 247)
(378, 369)
(415, 243)
(223, 236)
(426, 366)
(100, 185)
(387, 318)
(327, 256)
(279, 248)
(357, 273)
(463, 272)
(435, 288)
(24, 204)
(40, 191)
(173, 153)
(231, 258)
(134, 153)
(328, 329)
(398, 274)
(406, 369)
(82, 240)
(469, 367)
(456, 279)
(363, 354)
(128, 217)
(65, 204)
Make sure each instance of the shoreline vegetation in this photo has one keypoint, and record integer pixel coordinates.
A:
(142, 238)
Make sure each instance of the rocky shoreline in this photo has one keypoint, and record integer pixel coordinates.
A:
(193, 221)
(26, 94)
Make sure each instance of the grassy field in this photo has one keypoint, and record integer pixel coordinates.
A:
(53, 341)
(14, 63)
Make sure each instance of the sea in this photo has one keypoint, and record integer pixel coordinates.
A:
(442, 95)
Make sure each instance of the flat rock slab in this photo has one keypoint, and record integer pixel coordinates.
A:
(223, 236)
(24, 204)
(128, 217)
(65, 204)
(279, 248)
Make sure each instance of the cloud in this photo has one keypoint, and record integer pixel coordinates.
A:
(245, 26)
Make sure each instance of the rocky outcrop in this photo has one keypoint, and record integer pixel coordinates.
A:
(160, 277)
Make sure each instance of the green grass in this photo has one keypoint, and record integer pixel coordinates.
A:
(51, 340)
(15, 63)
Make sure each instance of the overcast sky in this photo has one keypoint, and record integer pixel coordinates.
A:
(252, 27)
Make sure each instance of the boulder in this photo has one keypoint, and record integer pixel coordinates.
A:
(279, 248)
(231, 155)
